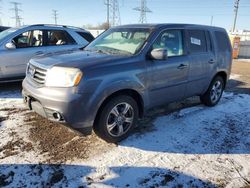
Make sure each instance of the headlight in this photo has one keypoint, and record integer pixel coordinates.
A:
(63, 77)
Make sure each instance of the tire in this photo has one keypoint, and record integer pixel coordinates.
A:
(117, 119)
(214, 92)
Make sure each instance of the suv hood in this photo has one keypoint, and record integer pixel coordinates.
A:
(77, 59)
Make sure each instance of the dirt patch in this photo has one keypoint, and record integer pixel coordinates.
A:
(14, 147)
(60, 143)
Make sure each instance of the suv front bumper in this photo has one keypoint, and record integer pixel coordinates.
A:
(63, 105)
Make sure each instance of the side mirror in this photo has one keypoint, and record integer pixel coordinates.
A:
(10, 46)
(159, 54)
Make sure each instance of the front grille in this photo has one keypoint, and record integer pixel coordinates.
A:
(36, 74)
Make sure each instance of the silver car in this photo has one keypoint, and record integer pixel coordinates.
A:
(19, 45)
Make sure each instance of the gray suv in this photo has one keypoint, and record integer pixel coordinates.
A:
(127, 70)
(19, 45)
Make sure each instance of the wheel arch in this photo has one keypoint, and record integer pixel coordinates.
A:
(222, 74)
(129, 92)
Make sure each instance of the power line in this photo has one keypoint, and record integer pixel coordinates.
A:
(16, 11)
(55, 15)
(143, 11)
(236, 8)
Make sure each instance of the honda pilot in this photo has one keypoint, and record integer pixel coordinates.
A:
(126, 71)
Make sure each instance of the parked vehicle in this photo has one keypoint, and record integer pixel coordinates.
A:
(2, 28)
(19, 45)
(127, 70)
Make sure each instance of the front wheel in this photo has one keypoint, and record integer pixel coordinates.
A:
(214, 92)
(117, 119)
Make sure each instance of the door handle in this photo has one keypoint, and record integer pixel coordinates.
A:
(211, 61)
(182, 66)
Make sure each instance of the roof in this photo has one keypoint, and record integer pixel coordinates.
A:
(3, 27)
(159, 25)
(53, 26)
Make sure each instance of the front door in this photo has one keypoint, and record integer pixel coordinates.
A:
(28, 45)
(168, 78)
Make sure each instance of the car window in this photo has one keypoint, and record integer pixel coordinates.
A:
(37, 38)
(172, 40)
(22, 40)
(209, 41)
(125, 41)
(222, 41)
(59, 37)
(87, 36)
(197, 41)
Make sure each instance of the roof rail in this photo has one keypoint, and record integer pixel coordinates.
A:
(54, 25)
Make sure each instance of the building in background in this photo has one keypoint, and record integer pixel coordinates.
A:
(240, 40)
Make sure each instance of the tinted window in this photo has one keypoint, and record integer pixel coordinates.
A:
(197, 41)
(209, 41)
(172, 40)
(222, 41)
(87, 36)
(59, 37)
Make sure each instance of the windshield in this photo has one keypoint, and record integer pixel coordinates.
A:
(7, 32)
(120, 41)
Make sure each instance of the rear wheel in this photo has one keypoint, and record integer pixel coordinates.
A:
(117, 119)
(214, 92)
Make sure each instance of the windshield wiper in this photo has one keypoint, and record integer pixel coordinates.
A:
(96, 50)
(116, 51)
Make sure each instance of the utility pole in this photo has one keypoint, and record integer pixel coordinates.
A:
(55, 15)
(107, 3)
(16, 11)
(115, 13)
(236, 7)
(212, 19)
(143, 11)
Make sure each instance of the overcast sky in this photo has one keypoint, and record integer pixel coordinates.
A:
(82, 12)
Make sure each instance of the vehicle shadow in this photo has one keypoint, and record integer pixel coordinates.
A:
(238, 86)
(11, 90)
(49, 175)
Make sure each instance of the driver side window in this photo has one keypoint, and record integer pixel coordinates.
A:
(22, 40)
(28, 39)
(172, 40)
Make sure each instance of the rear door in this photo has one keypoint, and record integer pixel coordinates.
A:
(200, 55)
(28, 45)
(58, 40)
(168, 78)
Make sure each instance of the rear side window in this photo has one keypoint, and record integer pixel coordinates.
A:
(87, 36)
(222, 41)
(197, 41)
(59, 37)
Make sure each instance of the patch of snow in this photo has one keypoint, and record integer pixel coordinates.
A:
(197, 146)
